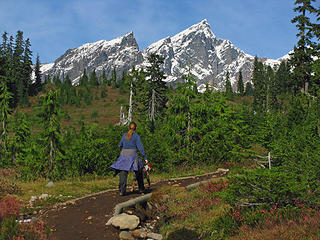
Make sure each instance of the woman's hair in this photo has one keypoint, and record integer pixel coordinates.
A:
(132, 128)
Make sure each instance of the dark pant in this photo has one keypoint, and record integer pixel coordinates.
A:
(123, 180)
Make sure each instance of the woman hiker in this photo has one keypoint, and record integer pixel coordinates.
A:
(128, 159)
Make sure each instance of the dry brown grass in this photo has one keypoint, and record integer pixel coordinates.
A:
(308, 227)
(106, 110)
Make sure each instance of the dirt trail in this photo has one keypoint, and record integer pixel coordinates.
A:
(85, 218)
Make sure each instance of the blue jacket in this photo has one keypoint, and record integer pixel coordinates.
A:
(133, 143)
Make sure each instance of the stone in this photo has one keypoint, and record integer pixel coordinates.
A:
(124, 221)
(50, 184)
(124, 235)
(32, 200)
(155, 236)
(44, 196)
(139, 233)
(222, 170)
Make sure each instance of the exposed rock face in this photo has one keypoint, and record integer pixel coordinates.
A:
(208, 57)
(121, 53)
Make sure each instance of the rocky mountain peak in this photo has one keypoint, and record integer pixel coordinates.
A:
(197, 48)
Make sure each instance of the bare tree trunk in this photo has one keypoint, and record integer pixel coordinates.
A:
(153, 105)
(4, 134)
(51, 155)
(130, 104)
(189, 119)
(121, 116)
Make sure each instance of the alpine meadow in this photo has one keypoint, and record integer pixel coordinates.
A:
(199, 103)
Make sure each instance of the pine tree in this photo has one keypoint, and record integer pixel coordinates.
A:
(37, 86)
(113, 79)
(18, 70)
(153, 91)
(50, 115)
(249, 89)
(93, 80)
(103, 79)
(272, 89)
(240, 84)
(258, 80)
(84, 79)
(56, 81)
(22, 133)
(180, 116)
(228, 87)
(282, 77)
(27, 71)
(5, 110)
(301, 59)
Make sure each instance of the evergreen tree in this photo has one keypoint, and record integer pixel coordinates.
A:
(103, 93)
(180, 116)
(27, 71)
(84, 79)
(228, 87)
(123, 83)
(103, 79)
(272, 89)
(153, 91)
(50, 115)
(113, 79)
(94, 81)
(301, 59)
(258, 80)
(56, 81)
(22, 133)
(5, 110)
(17, 80)
(240, 84)
(37, 86)
(249, 89)
(282, 77)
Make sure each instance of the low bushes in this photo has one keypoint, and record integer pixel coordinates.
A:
(13, 228)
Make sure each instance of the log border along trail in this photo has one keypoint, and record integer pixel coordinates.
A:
(86, 217)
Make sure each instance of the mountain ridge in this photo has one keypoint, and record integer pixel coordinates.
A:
(197, 47)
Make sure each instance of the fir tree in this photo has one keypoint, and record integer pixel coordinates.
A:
(249, 89)
(84, 79)
(22, 133)
(93, 80)
(153, 97)
(17, 80)
(5, 110)
(27, 67)
(113, 79)
(228, 87)
(282, 77)
(37, 86)
(50, 115)
(103, 79)
(258, 80)
(240, 84)
(301, 59)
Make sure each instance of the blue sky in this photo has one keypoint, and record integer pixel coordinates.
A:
(258, 27)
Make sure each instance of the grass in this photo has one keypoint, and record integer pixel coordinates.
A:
(193, 211)
(76, 187)
(196, 212)
(102, 111)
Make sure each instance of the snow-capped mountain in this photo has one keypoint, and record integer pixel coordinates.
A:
(121, 53)
(197, 48)
(209, 57)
